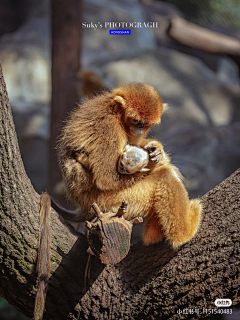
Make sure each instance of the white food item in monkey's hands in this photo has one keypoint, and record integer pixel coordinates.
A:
(133, 160)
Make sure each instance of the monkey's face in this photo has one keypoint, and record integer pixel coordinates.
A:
(139, 106)
(136, 127)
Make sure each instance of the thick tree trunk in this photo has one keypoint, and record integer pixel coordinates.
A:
(66, 40)
(152, 282)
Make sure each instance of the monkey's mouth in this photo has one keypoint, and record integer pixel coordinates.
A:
(136, 131)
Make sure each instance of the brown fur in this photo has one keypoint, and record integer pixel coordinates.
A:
(91, 84)
(90, 146)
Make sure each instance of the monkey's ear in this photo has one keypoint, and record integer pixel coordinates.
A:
(120, 100)
(165, 107)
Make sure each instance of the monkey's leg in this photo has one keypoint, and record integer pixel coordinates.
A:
(152, 230)
(178, 216)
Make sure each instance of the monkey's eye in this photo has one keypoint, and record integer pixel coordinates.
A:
(135, 121)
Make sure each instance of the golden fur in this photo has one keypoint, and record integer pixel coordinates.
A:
(91, 84)
(90, 146)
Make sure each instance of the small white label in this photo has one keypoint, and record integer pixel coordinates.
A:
(223, 302)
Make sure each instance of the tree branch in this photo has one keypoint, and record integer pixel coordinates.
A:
(191, 35)
(201, 38)
(150, 283)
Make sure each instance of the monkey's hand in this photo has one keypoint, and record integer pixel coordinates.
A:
(82, 157)
(155, 151)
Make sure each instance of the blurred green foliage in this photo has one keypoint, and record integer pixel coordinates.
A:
(224, 13)
(8, 312)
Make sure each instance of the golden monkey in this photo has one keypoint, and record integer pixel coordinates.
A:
(92, 147)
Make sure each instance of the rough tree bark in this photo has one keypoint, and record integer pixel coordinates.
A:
(150, 283)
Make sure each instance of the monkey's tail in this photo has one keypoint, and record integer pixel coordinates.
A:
(70, 215)
(43, 264)
(195, 215)
(193, 222)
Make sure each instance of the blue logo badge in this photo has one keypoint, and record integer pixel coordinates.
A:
(117, 32)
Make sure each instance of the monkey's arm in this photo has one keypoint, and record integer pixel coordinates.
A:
(75, 174)
(103, 138)
(104, 154)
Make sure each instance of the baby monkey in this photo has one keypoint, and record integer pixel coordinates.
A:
(133, 160)
(106, 158)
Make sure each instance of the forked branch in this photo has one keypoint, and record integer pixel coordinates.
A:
(151, 282)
